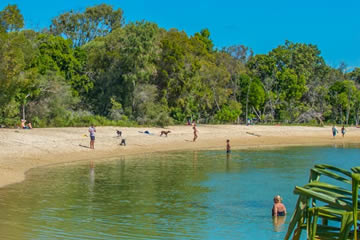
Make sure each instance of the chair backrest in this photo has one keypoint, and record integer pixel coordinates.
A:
(330, 171)
(355, 189)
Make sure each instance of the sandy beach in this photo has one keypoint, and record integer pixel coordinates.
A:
(21, 150)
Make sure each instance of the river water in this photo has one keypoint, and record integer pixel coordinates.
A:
(179, 195)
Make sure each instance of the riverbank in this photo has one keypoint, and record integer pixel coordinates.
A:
(21, 150)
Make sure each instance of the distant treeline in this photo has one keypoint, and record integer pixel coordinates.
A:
(91, 67)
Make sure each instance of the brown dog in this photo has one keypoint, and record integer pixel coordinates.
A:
(164, 133)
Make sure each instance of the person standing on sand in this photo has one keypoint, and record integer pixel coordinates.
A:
(92, 131)
(334, 131)
(195, 133)
(343, 131)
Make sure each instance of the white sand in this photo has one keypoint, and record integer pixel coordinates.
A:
(21, 150)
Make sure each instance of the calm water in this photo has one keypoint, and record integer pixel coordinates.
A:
(187, 195)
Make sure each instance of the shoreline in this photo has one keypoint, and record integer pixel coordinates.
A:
(22, 150)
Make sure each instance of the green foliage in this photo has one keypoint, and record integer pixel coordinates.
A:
(91, 68)
(292, 86)
(81, 28)
(229, 113)
(342, 96)
(57, 55)
(16, 79)
(80, 119)
(204, 36)
(119, 62)
(11, 19)
(354, 75)
(146, 110)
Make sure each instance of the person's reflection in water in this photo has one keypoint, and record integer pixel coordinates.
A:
(228, 158)
(278, 222)
(122, 168)
(91, 185)
(91, 177)
(195, 161)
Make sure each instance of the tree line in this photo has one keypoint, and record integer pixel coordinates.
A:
(91, 67)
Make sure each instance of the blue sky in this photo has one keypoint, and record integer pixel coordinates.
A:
(333, 25)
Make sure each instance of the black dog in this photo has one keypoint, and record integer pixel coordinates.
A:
(164, 133)
(119, 133)
(123, 142)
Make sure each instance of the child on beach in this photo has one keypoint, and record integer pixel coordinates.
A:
(343, 131)
(195, 133)
(278, 209)
(228, 148)
(334, 131)
(92, 131)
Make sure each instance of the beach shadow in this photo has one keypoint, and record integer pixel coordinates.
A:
(253, 134)
(188, 140)
(83, 146)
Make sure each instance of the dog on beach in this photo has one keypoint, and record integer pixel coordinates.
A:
(119, 133)
(164, 133)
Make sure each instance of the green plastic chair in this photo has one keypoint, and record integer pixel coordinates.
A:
(347, 217)
(334, 196)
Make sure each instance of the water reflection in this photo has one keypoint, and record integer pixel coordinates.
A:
(278, 222)
(91, 180)
(92, 175)
(228, 158)
(183, 195)
(195, 161)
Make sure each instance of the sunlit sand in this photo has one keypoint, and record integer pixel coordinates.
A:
(21, 150)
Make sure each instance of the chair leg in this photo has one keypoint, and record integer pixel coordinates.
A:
(310, 215)
(314, 224)
(297, 217)
(294, 220)
(297, 233)
(346, 224)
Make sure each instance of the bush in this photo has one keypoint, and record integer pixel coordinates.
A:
(229, 113)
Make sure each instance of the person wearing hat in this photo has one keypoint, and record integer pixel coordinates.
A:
(279, 208)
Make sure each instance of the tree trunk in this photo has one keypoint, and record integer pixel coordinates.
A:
(24, 105)
(216, 102)
(257, 113)
(341, 115)
(247, 101)
(23, 111)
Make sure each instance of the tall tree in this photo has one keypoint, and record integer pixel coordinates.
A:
(354, 75)
(126, 58)
(55, 54)
(97, 21)
(11, 19)
(342, 95)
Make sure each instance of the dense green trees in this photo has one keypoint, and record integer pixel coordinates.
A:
(91, 67)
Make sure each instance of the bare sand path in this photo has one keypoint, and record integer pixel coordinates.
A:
(21, 150)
